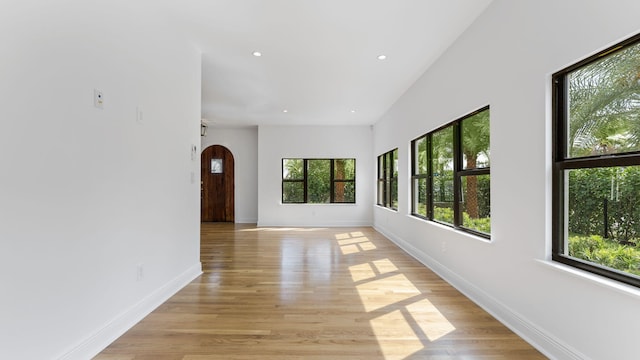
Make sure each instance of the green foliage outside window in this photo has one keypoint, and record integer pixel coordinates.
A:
(442, 165)
(344, 186)
(293, 180)
(601, 192)
(451, 173)
(388, 179)
(595, 248)
(605, 201)
(318, 181)
(604, 106)
(293, 192)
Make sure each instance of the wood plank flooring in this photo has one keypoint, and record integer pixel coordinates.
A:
(305, 293)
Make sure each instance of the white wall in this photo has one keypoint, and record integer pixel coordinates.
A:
(278, 142)
(87, 194)
(506, 60)
(243, 144)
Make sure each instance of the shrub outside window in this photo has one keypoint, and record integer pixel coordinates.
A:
(451, 174)
(596, 173)
(318, 181)
(388, 179)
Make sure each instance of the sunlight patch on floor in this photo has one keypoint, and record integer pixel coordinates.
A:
(383, 292)
(361, 272)
(409, 321)
(385, 266)
(351, 241)
(349, 249)
(395, 336)
(349, 235)
(366, 246)
(351, 245)
(430, 320)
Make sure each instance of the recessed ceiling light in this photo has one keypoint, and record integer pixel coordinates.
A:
(285, 111)
(382, 57)
(352, 111)
(257, 53)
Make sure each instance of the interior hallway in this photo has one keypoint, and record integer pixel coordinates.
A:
(314, 293)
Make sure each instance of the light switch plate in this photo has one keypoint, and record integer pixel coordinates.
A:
(139, 114)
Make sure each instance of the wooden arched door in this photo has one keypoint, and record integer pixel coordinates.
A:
(217, 188)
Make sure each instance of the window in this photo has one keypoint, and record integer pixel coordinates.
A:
(451, 175)
(388, 179)
(318, 181)
(293, 183)
(216, 166)
(596, 172)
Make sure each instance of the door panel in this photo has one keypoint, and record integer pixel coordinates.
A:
(217, 189)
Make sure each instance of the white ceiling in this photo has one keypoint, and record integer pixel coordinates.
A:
(319, 57)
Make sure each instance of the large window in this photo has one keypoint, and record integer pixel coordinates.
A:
(596, 173)
(388, 179)
(451, 174)
(318, 181)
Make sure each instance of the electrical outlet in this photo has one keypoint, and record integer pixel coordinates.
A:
(98, 98)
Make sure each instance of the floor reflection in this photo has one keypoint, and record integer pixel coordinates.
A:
(314, 294)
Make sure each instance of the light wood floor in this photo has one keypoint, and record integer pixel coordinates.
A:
(337, 293)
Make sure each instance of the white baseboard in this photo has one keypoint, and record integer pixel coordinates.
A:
(333, 224)
(99, 340)
(544, 342)
(246, 221)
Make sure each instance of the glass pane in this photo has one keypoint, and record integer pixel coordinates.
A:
(216, 166)
(394, 157)
(475, 141)
(602, 217)
(420, 196)
(387, 165)
(420, 153)
(344, 192)
(442, 162)
(381, 167)
(476, 206)
(381, 193)
(293, 169)
(394, 193)
(344, 169)
(604, 105)
(293, 192)
(319, 181)
(443, 200)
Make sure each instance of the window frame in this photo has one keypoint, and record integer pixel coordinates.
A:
(335, 181)
(302, 180)
(562, 162)
(305, 181)
(458, 173)
(387, 163)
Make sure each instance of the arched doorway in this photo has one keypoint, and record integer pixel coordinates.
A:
(217, 188)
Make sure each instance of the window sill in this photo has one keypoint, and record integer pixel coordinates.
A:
(386, 208)
(468, 234)
(592, 278)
